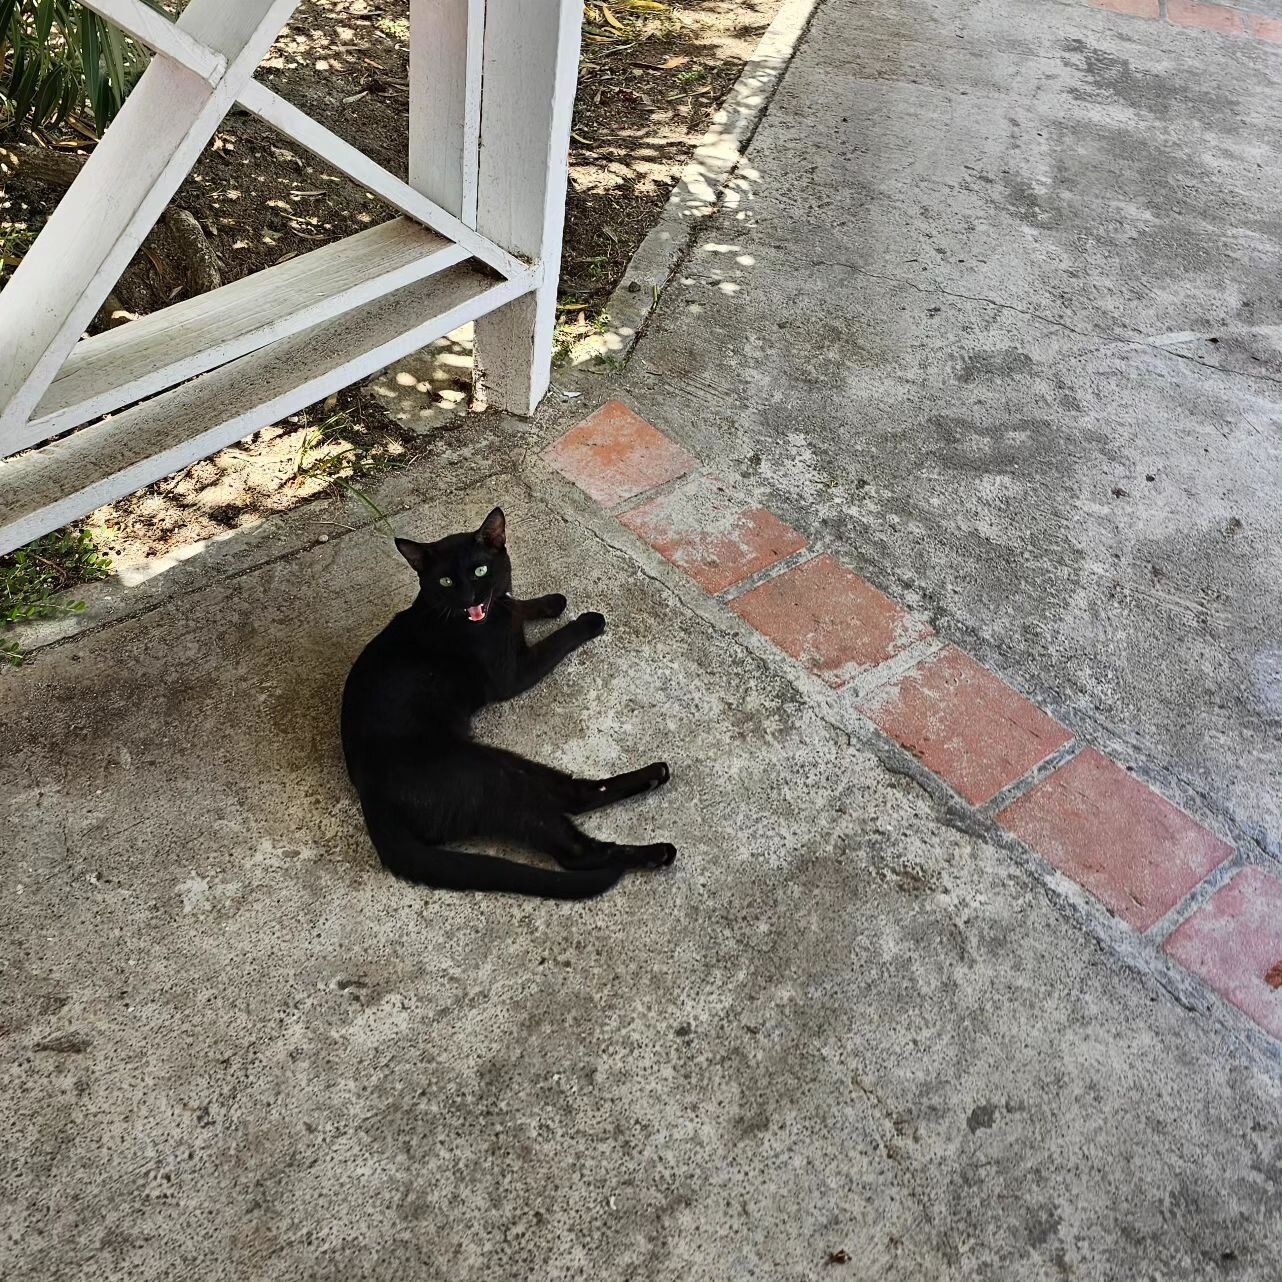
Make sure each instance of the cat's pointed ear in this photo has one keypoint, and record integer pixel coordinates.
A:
(493, 531)
(414, 553)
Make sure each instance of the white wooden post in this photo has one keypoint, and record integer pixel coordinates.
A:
(445, 102)
(529, 72)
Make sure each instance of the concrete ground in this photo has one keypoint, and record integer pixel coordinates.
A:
(992, 310)
(853, 1017)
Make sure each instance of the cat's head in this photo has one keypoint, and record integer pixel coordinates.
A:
(462, 575)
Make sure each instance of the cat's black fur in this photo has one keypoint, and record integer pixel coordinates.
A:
(423, 781)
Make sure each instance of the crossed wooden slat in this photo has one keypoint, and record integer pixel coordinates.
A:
(208, 60)
(175, 386)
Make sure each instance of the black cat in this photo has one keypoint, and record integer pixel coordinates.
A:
(423, 781)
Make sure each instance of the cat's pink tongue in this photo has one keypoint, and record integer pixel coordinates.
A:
(476, 613)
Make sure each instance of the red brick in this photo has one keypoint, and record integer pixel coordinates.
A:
(614, 455)
(1106, 830)
(1234, 943)
(1263, 28)
(965, 724)
(703, 529)
(1132, 8)
(1209, 17)
(830, 619)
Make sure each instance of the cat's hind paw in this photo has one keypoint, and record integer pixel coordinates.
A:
(658, 855)
(657, 774)
(592, 624)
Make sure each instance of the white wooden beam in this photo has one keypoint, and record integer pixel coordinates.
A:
(530, 72)
(69, 478)
(241, 30)
(152, 28)
(133, 361)
(357, 166)
(446, 50)
(123, 188)
(488, 174)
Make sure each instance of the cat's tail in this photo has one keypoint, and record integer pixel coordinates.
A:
(406, 855)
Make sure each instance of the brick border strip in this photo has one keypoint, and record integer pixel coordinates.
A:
(1163, 876)
(1204, 15)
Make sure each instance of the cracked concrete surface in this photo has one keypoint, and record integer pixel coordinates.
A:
(1161, 342)
(235, 1049)
(991, 312)
(850, 1018)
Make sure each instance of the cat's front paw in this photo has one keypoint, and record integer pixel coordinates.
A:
(591, 624)
(554, 604)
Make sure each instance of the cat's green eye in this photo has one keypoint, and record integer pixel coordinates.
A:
(447, 582)
(481, 571)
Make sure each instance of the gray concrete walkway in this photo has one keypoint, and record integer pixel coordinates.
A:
(846, 1020)
(993, 308)
(234, 1049)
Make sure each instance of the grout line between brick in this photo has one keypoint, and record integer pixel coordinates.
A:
(782, 566)
(1031, 778)
(893, 670)
(657, 492)
(1162, 929)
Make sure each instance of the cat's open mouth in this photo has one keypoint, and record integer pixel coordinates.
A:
(478, 612)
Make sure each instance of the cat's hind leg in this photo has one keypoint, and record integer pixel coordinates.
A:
(573, 849)
(571, 795)
(593, 794)
(404, 853)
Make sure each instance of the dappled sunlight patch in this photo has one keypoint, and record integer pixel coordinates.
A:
(335, 445)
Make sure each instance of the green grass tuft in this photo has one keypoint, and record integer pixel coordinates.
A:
(33, 577)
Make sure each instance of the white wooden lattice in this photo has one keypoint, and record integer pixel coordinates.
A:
(491, 94)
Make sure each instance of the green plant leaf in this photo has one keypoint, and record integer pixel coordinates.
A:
(90, 58)
(19, 63)
(113, 43)
(85, 57)
(73, 94)
(25, 91)
(101, 101)
(7, 9)
(44, 108)
(32, 578)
